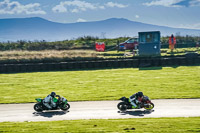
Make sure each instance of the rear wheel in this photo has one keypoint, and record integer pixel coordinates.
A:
(38, 107)
(149, 106)
(67, 106)
(122, 106)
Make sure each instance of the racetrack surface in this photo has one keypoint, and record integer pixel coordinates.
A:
(100, 110)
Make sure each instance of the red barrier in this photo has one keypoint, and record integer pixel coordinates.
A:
(100, 46)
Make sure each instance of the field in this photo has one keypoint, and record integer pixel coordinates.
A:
(45, 56)
(139, 125)
(67, 55)
(107, 84)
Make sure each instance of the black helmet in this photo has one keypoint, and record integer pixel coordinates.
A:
(140, 94)
(53, 94)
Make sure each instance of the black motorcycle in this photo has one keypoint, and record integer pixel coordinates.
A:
(61, 103)
(144, 103)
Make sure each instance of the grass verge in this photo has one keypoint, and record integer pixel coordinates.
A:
(45, 56)
(9, 57)
(156, 125)
(108, 84)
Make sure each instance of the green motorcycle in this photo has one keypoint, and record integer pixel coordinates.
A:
(61, 103)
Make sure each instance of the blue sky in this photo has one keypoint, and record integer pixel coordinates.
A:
(172, 13)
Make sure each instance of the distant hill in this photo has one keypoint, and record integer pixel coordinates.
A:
(40, 29)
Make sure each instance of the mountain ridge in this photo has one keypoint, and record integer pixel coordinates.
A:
(36, 28)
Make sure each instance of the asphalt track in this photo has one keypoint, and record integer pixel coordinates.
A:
(101, 110)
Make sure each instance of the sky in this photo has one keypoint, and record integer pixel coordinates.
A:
(172, 13)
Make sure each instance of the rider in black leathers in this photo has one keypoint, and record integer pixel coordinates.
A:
(134, 99)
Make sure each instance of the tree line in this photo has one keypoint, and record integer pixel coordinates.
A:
(86, 42)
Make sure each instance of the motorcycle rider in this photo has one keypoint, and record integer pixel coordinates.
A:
(48, 101)
(134, 99)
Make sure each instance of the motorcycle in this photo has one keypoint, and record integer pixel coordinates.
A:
(145, 102)
(61, 103)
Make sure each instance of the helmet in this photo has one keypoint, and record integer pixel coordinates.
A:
(140, 94)
(53, 94)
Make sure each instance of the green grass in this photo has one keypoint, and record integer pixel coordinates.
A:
(179, 51)
(156, 125)
(107, 84)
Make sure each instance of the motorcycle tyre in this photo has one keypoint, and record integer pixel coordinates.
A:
(66, 107)
(38, 107)
(122, 106)
(152, 106)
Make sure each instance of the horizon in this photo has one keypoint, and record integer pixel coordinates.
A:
(94, 21)
(37, 28)
(170, 13)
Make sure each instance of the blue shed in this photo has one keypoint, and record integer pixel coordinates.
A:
(149, 43)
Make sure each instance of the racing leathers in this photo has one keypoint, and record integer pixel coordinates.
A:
(134, 100)
(48, 102)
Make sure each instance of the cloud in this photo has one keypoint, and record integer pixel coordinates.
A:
(79, 6)
(173, 3)
(183, 3)
(195, 3)
(59, 8)
(188, 3)
(102, 7)
(166, 3)
(14, 7)
(112, 4)
(137, 16)
(74, 6)
(81, 20)
(190, 26)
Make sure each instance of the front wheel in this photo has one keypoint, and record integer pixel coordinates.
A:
(149, 106)
(67, 106)
(122, 106)
(38, 107)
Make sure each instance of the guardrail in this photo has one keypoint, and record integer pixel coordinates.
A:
(101, 64)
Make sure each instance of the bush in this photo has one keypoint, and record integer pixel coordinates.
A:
(87, 42)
